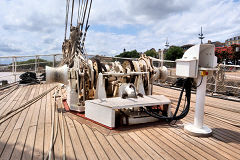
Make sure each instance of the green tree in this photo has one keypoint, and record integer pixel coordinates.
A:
(152, 53)
(174, 53)
(129, 54)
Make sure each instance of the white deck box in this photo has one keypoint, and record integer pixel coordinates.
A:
(186, 68)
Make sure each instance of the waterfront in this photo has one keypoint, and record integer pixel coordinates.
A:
(9, 76)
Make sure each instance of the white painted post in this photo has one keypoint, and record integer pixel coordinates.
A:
(215, 86)
(200, 101)
(35, 64)
(15, 69)
(54, 60)
(198, 129)
(161, 58)
(13, 63)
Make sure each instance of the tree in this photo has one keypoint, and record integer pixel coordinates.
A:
(224, 53)
(152, 53)
(174, 53)
(129, 54)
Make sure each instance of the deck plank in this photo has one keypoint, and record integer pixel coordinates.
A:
(24, 112)
(77, 146)
(136, 147)
(8, 127)
(31, 135)
(222, 146)
(9, 96)
(118, 149)
(6, 102)
(95, 143)
(27, 113)
(29, 143)
(47, 125)
(132, 153)
(202, 154)
(218, 153)
(88, 148)
(162, 143)
(38, 152)
(14, 104)
(145, 146)
(6, 154)
(70, 155)
(179, 145)
(27, 134)
(212, 146)
(106, 146)
(159, 150)
(58, 150)
(228, 134)
(10, 131)
(9, 107)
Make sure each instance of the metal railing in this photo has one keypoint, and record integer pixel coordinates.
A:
(225, 80)
(13, 66)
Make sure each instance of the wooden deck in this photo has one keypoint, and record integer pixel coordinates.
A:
(27, 134)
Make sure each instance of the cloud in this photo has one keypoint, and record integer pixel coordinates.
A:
(37, 27)
(156, 9)
(8, 48)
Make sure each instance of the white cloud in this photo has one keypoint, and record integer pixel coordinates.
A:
(30, 27)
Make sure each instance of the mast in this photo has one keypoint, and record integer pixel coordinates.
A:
(201, 36)
(167, 43)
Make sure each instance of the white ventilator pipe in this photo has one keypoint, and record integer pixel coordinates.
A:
(198, 129)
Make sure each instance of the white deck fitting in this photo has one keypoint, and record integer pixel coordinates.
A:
(198, 129)
(103, 110)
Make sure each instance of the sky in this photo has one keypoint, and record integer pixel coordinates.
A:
(29, 27)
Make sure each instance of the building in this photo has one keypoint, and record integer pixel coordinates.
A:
(186, 47)
(216, 43)
(233, 40)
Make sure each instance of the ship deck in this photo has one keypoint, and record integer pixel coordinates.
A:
(26, 134)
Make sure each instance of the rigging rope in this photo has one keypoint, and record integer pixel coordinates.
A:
(62, 129)
(87, 26)
(81, 10)
(66, 19)
(89, 10)
(57, 117)
(72, 12)
(85, 10)
(78, 11)
(79, 32)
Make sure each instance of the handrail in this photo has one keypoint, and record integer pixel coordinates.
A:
(16, 59)
(10, 75)
(37, 55)
(227, 65)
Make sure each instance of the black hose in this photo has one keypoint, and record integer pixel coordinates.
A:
(199, 83)
(187, 85)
